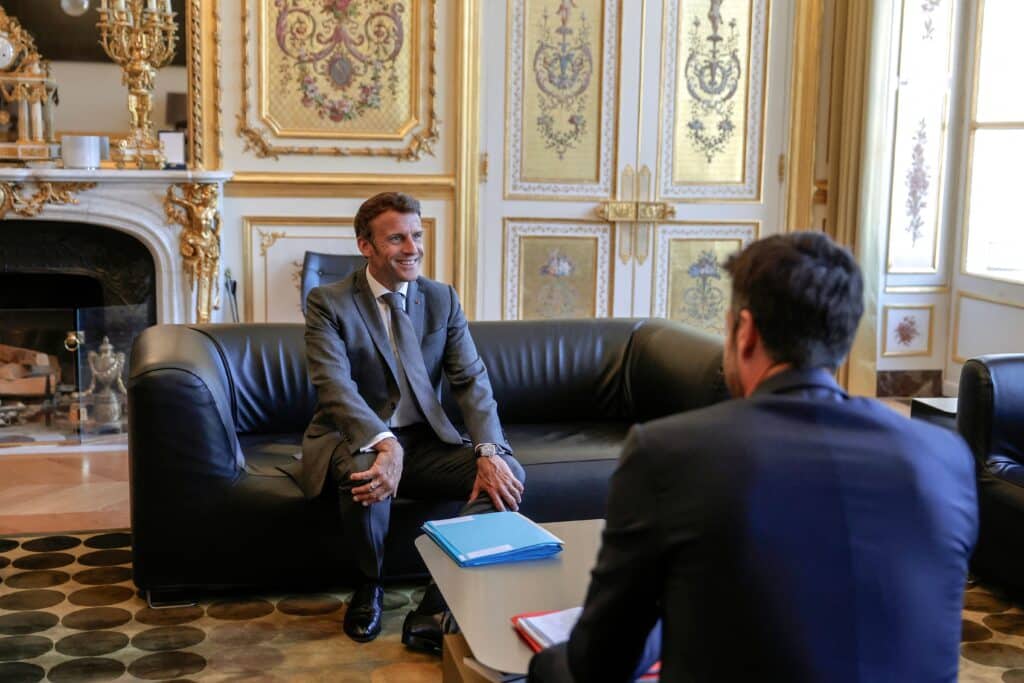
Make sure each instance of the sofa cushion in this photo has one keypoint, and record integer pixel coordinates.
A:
(566, 442)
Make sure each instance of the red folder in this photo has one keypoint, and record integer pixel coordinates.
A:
(650, 676)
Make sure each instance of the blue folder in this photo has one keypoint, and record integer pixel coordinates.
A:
(492, 538)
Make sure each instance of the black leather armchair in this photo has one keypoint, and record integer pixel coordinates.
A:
(323, 269)
(990, 416)
(217, 409)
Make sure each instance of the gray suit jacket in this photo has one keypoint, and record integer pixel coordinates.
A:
(352, 366)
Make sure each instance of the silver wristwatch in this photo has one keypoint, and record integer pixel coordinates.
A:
(486, 450)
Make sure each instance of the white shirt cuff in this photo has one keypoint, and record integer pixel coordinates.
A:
(376, 440)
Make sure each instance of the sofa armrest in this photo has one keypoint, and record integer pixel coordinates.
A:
(673, 368)
(180, 406)
(183, 451)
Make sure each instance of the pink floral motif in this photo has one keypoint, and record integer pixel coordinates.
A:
(917, 181)
(344, 59)
(906, 331)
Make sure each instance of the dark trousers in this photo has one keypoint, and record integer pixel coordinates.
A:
(431, 470)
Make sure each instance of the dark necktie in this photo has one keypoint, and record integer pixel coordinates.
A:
(410, 358)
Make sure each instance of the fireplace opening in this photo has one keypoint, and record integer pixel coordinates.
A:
(73, 297)
(49, 290)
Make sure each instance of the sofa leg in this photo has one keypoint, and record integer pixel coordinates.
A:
(168, 599)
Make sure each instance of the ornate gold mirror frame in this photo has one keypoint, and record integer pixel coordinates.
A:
(202, 23)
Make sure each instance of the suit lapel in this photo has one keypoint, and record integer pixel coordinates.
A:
(368, 309)
(414, 307)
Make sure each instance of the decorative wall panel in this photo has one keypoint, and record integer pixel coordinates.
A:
(984, 325)
(712, 108)
(556, 269)
(353, 70)
(919, 142)
(908, 330)
(274, 249)
(560, 88)
(690, 284)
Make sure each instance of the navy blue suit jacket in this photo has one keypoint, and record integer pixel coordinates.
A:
(797, 535)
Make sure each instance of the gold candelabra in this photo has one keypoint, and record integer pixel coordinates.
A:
(139, 35)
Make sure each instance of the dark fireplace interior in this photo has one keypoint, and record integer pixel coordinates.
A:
(59, 277)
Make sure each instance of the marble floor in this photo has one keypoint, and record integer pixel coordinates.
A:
(50, 488)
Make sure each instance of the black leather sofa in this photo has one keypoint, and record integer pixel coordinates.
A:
(990, 417)
(215, 410)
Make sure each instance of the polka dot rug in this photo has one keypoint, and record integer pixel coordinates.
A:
(70, 612)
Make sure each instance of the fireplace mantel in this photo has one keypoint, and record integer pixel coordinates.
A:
(138, 203)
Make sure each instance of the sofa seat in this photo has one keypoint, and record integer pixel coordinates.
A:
(217, 410)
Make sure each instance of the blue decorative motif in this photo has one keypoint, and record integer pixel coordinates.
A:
(704, 301)
(712, 79)
(563, 67)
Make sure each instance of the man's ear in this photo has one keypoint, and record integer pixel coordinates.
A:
(747, 336)
(365, 248)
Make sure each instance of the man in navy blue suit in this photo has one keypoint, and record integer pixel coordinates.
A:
(793, 533)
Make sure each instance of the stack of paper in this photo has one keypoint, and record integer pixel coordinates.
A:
(476, 540)
(541, 630)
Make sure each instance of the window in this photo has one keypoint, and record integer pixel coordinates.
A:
(994, 242)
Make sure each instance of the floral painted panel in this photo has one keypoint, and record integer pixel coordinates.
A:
(559, 277)
(556, 269)
(698, 286)
(713, 111)
(908, 331)
(560, 90)
(339, 68)
(921, 131)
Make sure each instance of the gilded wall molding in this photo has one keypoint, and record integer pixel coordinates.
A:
(193, 206)
(258, 139)
(469, 167)
(204, 66)
(337, 185)
(803, 124)
(13, 197)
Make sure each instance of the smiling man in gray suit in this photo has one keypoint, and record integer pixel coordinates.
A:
(377, 344)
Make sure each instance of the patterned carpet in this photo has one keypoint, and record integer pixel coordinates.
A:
(69, 612)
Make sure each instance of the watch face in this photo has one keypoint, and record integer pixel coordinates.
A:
(6, 51)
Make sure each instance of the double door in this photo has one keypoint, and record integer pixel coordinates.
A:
(631, 146)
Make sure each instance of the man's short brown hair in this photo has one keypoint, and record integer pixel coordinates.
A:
(805, 293)
(378, 204)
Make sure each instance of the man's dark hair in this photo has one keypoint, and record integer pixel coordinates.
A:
(805, 294)
(378, 204)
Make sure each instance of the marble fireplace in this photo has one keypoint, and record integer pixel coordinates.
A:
(135, 203)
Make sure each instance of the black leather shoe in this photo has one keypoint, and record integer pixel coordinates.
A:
(362, 619)
(422, 631)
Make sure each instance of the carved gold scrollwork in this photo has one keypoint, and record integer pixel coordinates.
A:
(12, 199)
(268, 239)
(194, 207)
(617, 212)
